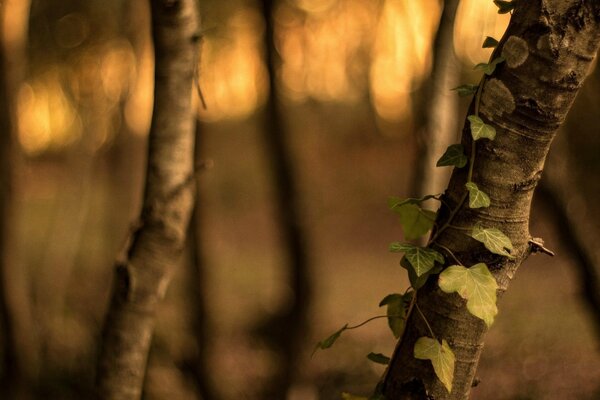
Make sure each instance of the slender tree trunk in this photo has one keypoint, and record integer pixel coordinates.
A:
(549, 47)
(576, 232)
(440, 108)
(198, 365)
(290, 327)
(142, 277)
(18, 345)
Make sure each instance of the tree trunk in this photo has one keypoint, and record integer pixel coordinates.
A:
(289, 327)
(18, 345)
(142, 277)
(197, 364)
(439, 108)
(549, 46)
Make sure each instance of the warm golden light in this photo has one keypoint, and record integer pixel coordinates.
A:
(401, 54)
(324, 47)
(475, 20)
(232, 73)
(47, 119)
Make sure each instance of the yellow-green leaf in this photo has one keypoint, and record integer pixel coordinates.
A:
(395, 312)
(477, 198)
(481, 130)
(415, 220)
(454, 156)
(466, 90)
(476, 285)
(493, 239)
(421, 259)
(327, 343)
(489, 68)
(441, 357)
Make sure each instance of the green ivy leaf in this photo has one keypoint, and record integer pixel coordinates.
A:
(480, 130)
(504, 7)
(466, 90)
(489, 42)
(395, 312)
(421, 259)
(395, 203)
(417, 282)
(493, 240)
(454, 156)
(327, 343)
(415, 221)
(489, 68)
(477, 198)
(378, 358)
(348, 396)
(441, 357)
(476, 285)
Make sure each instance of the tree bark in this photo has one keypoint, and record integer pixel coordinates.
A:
(287, 329)
(549, 46)
(141, 279)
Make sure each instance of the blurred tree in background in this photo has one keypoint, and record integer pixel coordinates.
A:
(350, 87)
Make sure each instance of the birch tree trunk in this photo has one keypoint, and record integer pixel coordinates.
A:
(549, 46)
(142, 277)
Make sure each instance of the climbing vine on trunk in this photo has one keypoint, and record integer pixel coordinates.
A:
(480, 232)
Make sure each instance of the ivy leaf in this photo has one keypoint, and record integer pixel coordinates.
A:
(327, 343)
(348, 396)
(493, 240)
(489, 42)
(489, 68)
(504, 7)
(480, 130)
(421, 259)
(441, 357)
(415, 221)
(417, 282)
(477, 198)
(395, 312)
(454, 156)
(466, 90)
(378, 358)
(395, 203)
(476, 285)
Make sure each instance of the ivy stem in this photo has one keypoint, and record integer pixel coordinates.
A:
(425, 319)
(368, 320)
(449, 252)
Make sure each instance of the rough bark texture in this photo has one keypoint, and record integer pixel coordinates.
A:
(440, 108)
(141, 279)
(288, 329)
(549, 46)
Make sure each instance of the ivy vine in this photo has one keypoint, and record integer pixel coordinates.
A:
(475, 283)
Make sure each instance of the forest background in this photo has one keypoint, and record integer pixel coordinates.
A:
(351, 83)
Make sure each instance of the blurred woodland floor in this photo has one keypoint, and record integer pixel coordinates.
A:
(541, 347)
(76, 202)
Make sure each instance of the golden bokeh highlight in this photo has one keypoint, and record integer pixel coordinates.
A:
(476, 19)
(233, 76)
(331, 51)
(401, 54)
(47, 120)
